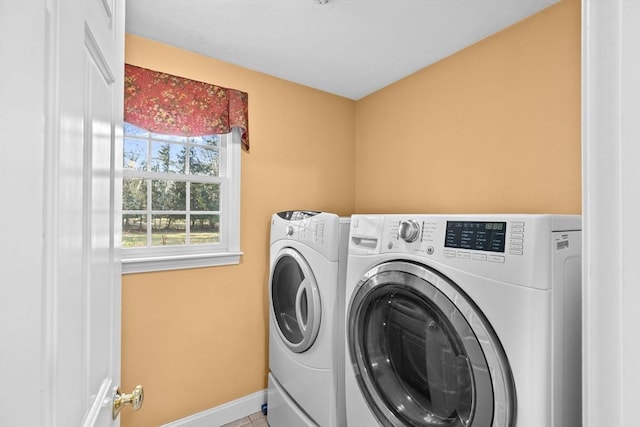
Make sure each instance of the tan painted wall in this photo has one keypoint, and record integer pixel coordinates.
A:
(493, 128)
(198, 338)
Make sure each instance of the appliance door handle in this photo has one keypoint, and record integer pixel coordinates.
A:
(302, 322)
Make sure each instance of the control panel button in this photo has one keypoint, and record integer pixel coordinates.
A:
(464, 255)
(479, 257)
(496, 258)
(289, 230)
(516, 238)
(430, 250)
(449, 253)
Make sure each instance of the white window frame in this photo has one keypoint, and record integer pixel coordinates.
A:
(227, 252)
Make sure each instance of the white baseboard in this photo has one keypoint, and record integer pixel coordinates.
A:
(224, 413)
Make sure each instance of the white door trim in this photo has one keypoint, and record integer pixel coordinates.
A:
(611, 208)
(22, 97)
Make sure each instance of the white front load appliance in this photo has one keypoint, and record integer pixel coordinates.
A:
(463, 321)
(306, 322)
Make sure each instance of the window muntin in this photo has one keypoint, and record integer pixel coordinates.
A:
(180, 196)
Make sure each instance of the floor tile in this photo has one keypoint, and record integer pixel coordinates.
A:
(257, 416)
(239, 423)
(260, 423)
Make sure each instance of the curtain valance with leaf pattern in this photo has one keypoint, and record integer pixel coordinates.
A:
(167, 104)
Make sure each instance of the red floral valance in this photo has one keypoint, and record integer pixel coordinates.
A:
(171, 105)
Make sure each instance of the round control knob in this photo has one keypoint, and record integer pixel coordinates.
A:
(289, 230)
(409, 231)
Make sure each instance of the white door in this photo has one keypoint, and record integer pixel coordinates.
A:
(62, 91)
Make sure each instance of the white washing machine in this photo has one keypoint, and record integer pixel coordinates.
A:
(306, 321)
(463, 321)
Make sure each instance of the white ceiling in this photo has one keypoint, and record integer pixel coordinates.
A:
(347, 47)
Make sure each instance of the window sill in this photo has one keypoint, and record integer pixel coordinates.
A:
(177, 262)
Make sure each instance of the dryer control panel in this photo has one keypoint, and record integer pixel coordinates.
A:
(318, 230)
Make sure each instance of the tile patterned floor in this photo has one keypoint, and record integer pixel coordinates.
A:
(253, 420)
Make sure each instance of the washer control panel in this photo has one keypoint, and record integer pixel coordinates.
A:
(513, 248)
(470, 240)
(486, 238)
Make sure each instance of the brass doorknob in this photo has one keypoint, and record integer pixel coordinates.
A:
(135, 400)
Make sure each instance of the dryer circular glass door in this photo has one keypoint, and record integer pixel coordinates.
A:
(423, 354)
(295, 300)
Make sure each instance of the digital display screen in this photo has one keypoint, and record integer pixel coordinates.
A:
(476, 235)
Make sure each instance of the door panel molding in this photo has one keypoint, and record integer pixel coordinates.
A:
(96, 53)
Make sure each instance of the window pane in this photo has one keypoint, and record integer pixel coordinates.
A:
(174, 138)
(135, 154)
(205, 229)
(168, 230)
(205, 197)
(204, 161)
(134, 194)
(130, 129)
(211, 140)
(171, 195)
(134, 230)
(167, 157)
(168, 195)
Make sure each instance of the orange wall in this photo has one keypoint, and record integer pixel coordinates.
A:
(198, 338)
(492, 128)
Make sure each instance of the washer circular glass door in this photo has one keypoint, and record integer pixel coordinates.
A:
(423, 354)
(295, 300)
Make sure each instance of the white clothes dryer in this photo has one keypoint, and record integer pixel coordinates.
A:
(463, 321)
(306, 322)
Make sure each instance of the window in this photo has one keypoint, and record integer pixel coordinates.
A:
(180, 200)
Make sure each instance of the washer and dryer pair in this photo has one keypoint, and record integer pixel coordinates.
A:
(449, 320)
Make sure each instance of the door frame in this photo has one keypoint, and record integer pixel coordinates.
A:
(610, 209)
(24, 359)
